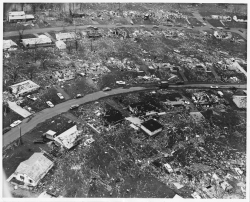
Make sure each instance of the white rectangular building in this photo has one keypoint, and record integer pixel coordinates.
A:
(32, 42)
(69, 138)
(33, 170)
(65, 36)
(19, 16)
(24, 88)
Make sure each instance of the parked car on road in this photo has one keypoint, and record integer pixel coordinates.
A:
(241, 30)
(49, 104)
(106, 89)
(5, 130)
(60, 96)
(15, 123)
(214, 87)
(74, 106)
(79, 95)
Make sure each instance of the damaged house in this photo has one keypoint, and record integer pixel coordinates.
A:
(151, 127)
(31, 171)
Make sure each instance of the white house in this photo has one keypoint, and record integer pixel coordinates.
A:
(151, 127)
(33, 170)
(32, 42)
(24, 87)
(65, 36)
(69, 138)
(19, 16)
(240, 101)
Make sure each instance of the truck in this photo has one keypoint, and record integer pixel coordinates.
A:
(163, 84)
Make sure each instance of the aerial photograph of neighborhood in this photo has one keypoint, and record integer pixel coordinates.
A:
(124, 100)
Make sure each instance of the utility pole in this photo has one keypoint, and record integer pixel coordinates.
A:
(20, 138)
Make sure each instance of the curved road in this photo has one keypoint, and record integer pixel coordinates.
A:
(28, 124)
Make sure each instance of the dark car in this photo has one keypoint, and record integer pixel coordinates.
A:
(241, 30)
(227, 27)
(5, 130)
(179, 83)
(74, 106)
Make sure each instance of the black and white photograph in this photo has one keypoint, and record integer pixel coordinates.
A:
(124, 100)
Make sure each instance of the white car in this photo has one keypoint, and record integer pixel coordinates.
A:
(32, 98)
(214, 87)
(142, 25)
(74, 106)
(120, 82)
(60, 96)
(50, 104)
(15, 123)
(106, 89)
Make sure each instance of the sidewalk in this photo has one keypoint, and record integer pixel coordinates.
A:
(24, 113)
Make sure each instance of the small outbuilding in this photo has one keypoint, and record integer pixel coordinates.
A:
(9, 45)
(24, 88)
(151, 127)
(60, 45)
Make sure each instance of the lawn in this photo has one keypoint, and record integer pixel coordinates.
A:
(80, 85)
(215, 23)
(194, 22)
(233, 24)
(15, 155)
(43, 96)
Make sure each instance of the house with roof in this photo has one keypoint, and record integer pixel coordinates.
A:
(9, 45)
(32, 170)
(15, 16)
(24, 88)
(142, 108)
(240, 101)
(69, 138)
(66, 36)
(41, 40)
(151, 127)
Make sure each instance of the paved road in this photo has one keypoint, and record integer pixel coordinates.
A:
(42, 30)
(45, 114)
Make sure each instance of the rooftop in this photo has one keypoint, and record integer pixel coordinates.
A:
(63, 36)
(152, 125)
(24, 87)
(35, 166)
(69, 137)
(8, 43)
(42, 39)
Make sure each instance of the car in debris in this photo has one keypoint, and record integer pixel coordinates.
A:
(131, 22)
(212, 28)
(79, 95)
(60, 96)
(106, 89)
(32, 98)
(179, 83)
(186, 102)
(96, 28)
(74, 106)
(214, 87)
(49, 104)
(15, 123)
(120, 82)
